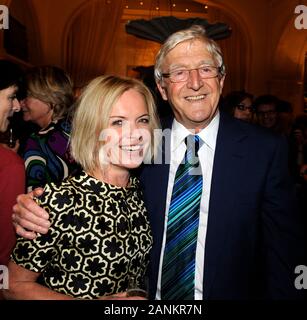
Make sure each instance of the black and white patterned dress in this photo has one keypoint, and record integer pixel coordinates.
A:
(99, 236)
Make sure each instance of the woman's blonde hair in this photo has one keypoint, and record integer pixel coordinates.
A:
(92, 115)
(52, 86)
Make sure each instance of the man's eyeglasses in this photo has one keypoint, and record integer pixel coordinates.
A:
(181, 75)
(243, 107)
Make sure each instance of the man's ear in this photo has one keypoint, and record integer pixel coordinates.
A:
(222, 79)
(162, 91)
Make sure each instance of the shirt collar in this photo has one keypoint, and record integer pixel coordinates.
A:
(208, 134)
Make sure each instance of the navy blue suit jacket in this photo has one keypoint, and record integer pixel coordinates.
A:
(252, 244)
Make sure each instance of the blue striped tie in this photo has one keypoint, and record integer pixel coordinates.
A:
(178, 269)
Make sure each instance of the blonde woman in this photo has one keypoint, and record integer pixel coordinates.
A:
(100, 234)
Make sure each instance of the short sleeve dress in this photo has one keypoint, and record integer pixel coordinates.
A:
(99, 236)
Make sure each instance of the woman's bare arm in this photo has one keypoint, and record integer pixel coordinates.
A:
(23, 286)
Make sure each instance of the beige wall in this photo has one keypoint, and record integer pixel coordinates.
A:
(289, 47)
(252, 17)
(53, 16)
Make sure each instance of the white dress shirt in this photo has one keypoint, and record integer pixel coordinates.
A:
(206, 157)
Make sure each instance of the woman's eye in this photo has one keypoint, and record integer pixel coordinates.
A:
(12, 97)
(117, 123)
(144, 120)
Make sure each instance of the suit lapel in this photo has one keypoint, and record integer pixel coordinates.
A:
(161, 174)
(155, 186)
(227, 161)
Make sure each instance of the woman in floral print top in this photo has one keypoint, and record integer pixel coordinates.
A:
(100, 233)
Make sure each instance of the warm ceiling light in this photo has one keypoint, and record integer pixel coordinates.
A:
(174, 5)
(157, 8)
(206, 7)
(186, 10)
(141, 3)
(127, 7)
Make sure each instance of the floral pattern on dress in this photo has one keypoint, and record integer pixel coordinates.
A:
(99, 236)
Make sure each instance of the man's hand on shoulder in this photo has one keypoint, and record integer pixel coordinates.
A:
(28, 217)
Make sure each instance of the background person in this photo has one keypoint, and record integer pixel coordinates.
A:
(267, 113)
(12, 171)
(46, 152)
(239, 104)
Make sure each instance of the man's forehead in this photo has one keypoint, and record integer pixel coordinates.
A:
(189, 45)
(184, 52)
